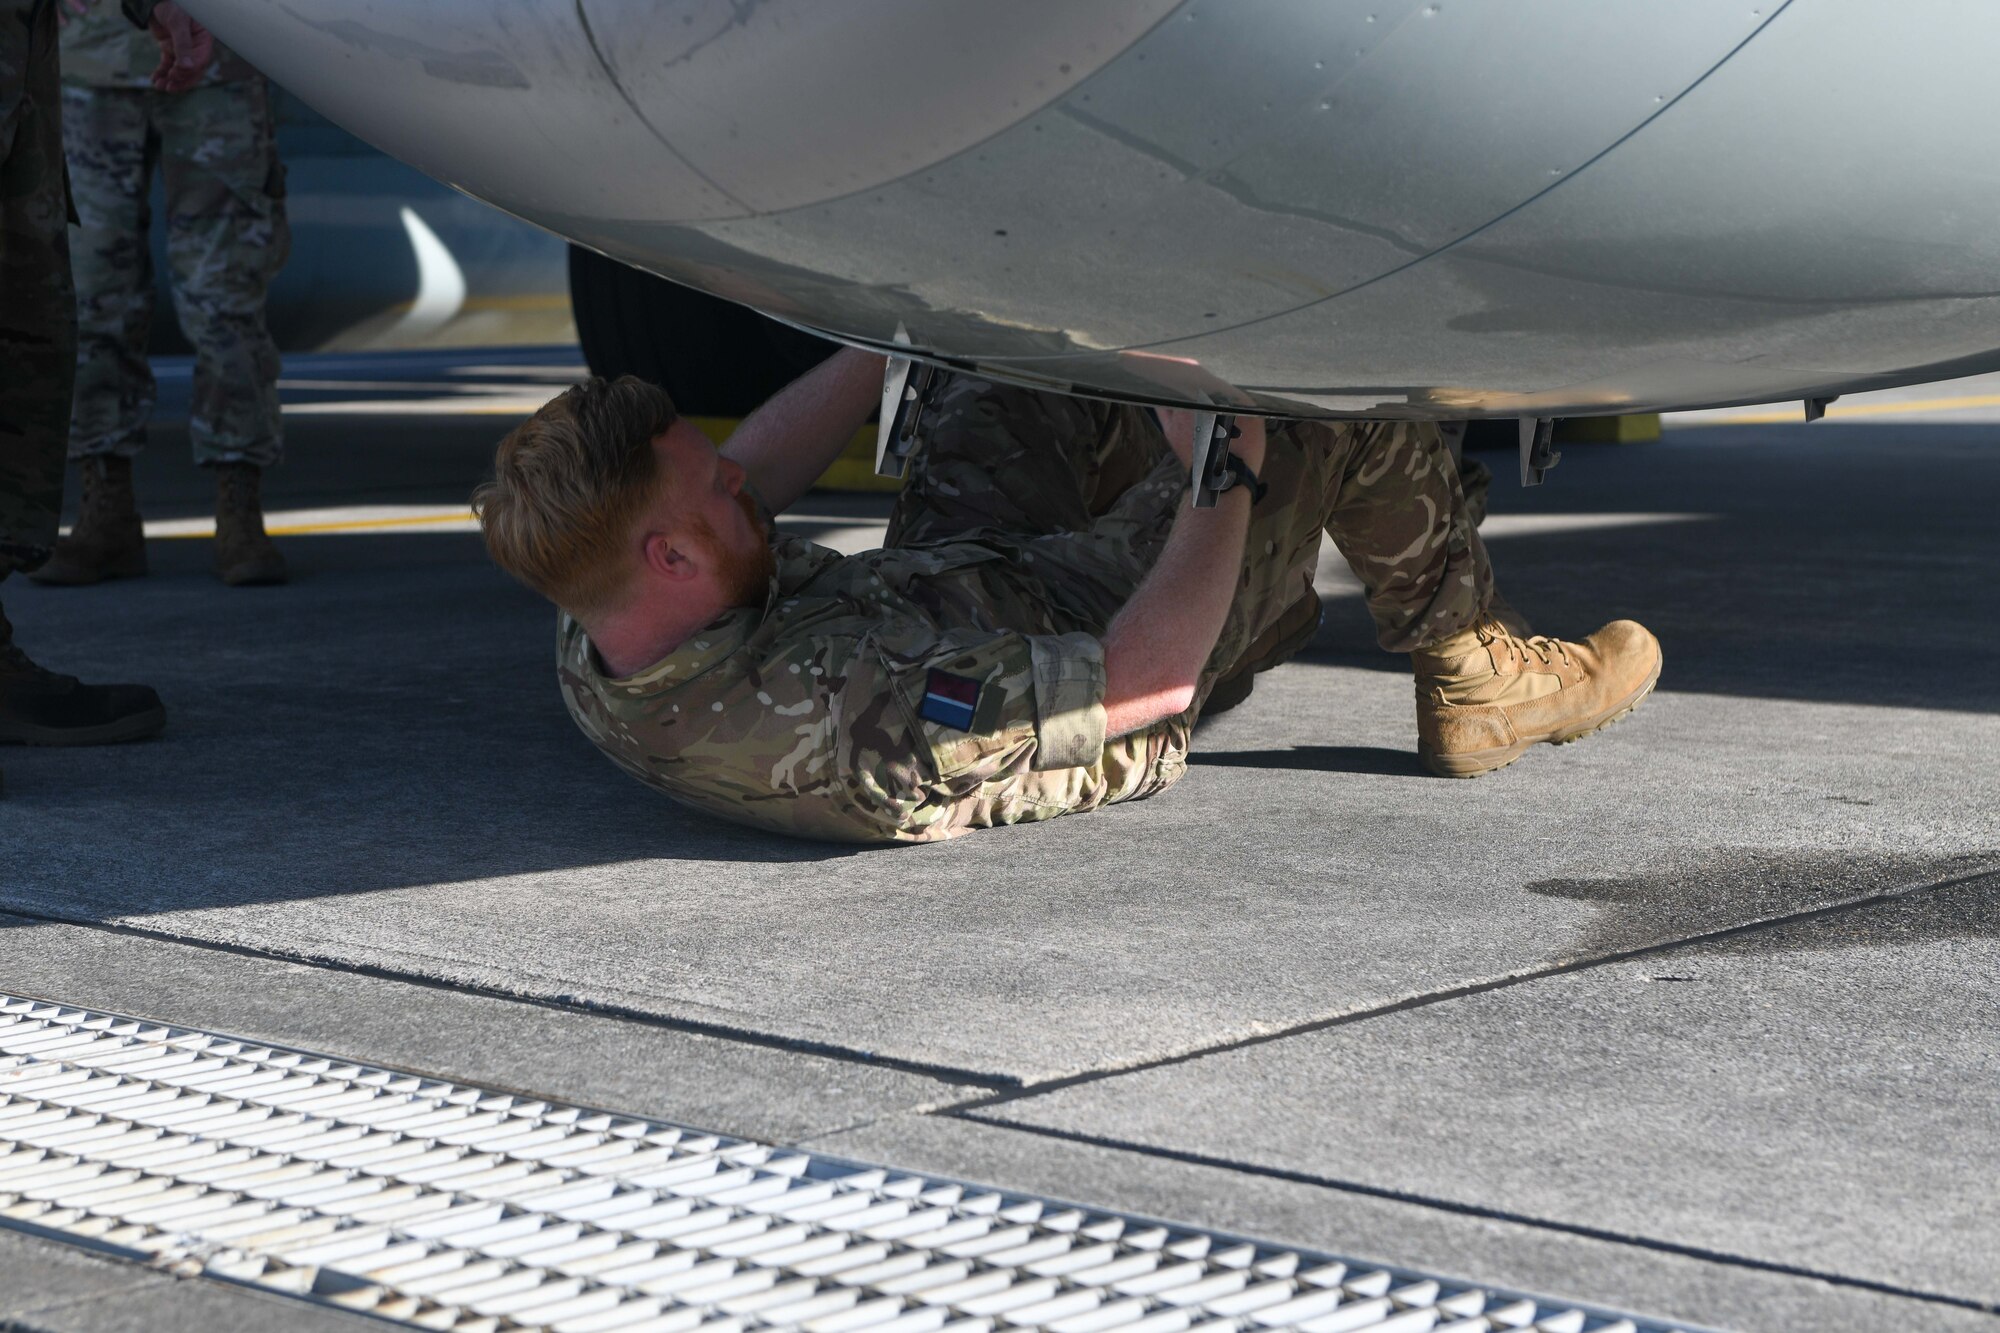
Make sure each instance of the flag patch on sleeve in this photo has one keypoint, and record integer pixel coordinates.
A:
(950, 701)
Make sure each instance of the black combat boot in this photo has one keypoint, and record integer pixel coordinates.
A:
(108, 541)
(243, 551)
(39, 707)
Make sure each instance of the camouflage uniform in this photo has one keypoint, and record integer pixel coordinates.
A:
(37, 305)
(955, 679)
(1475, 479)
(226, 238)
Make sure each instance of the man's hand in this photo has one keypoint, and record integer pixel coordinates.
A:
(70, 9)
(185, 48)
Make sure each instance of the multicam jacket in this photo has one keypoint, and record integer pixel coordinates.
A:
(900, 695)
(955, 680)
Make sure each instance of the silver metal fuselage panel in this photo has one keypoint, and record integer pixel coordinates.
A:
(1469, 208)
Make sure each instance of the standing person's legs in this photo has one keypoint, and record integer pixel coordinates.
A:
(227, 236)
(111, 154)
(37, 364)
(110, 167)
(37, 303)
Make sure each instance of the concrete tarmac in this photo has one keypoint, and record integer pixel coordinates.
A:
(1695, 1018)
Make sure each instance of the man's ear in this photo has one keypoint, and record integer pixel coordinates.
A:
(668, 558)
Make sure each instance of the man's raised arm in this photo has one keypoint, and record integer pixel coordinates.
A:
(1157, 645)
(788, 442)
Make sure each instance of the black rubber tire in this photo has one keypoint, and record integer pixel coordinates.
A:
(716, 358)
(1493, 433)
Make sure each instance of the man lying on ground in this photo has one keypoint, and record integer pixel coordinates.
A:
(1040, 631)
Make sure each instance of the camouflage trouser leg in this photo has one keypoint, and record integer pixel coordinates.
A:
(37, 304)
(1389, 495)
(1475, 479)
(111, 153)
(1067, 476)
(1022, 461)
(226, 238)
(1396, 509)
(1092, 476)
(1281, 549)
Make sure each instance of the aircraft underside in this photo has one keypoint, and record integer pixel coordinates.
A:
(1396, 209)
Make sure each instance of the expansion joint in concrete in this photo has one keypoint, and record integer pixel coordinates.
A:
(561, 1004)
(1482, 1212)
(1024, 1091)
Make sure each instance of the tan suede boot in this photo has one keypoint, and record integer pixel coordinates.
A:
(108, 541)
(1484, 696)
(243, 551)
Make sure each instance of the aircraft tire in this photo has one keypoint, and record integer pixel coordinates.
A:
(716, 358)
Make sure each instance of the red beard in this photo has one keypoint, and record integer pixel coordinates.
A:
(744, 576)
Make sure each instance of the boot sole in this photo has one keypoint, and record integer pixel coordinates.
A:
(1477, 763)
(85, 578)
(133, 727)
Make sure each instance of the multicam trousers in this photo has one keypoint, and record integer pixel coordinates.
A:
(37, 304)
(1388, 493)
(226, 239)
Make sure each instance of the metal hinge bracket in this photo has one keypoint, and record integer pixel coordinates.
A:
(1538, 453)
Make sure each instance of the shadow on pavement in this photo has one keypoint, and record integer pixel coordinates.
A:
(1371, 760)
(1832, 564)
(392, 719)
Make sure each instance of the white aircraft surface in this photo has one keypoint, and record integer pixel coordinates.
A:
(1458, 208)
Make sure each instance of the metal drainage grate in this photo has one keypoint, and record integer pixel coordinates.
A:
(446, 1206)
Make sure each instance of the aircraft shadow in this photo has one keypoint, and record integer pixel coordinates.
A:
(1831, 564)
(391, 718)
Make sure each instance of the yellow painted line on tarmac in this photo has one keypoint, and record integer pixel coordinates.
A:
(435, 388)
(419, 407)
(277, 526)
(1840, 411)
(369, 524)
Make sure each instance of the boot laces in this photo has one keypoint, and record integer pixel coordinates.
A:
(1544, 649)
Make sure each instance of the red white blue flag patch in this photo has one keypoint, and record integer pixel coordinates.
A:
(950, 701)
